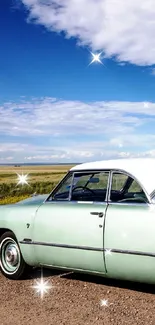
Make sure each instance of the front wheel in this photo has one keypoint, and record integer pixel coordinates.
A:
(12, 264)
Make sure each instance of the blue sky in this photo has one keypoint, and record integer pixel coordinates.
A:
(54, 106)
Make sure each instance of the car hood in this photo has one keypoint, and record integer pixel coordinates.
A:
(36, 200)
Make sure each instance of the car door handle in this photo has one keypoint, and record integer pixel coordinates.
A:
(99, 214)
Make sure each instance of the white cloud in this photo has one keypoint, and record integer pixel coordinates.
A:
(88, 151)
(144, 154)
(131, 141)
(2, 159)
(13, 147)
(56, 118)
(123, 29)
(48, 129)
(69, 152)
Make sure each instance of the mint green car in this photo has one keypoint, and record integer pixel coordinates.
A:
(100, 219)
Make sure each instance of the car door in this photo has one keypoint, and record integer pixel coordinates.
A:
(129, 233)
(68, 228)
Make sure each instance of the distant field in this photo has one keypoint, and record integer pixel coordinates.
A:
(35, 168)
(35, 173)
(41, 179)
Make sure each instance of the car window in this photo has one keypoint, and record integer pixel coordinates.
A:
(125, 189)
(63, 190)
(90, 186)
(118, 181)
(135, 187)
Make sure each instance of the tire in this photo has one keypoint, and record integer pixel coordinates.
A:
(12, 264)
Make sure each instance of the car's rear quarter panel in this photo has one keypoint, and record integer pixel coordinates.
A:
(130, 228)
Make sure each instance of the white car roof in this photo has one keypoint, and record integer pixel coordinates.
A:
(143, 169)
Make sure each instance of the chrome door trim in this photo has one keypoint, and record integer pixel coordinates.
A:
(107, 251)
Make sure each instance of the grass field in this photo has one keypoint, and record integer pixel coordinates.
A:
(41, 179)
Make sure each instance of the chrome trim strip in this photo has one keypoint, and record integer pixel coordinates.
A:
(129, 204)
(61, 245)
(122, 251)
(119, 251)
(108, 186)
(70, 190)
(152, 195)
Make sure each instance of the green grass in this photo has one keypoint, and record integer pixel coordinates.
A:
(41, 179)
(13, 199)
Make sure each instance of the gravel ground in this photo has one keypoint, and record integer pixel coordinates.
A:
(75, 299)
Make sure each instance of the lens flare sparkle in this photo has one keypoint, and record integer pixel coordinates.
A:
(108, 252)
(41, 286)
(22, 179)
(96, 58)
(104, 303)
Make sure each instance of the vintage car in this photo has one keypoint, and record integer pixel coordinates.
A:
(100, 219)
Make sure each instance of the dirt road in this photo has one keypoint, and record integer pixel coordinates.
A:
(75, 300)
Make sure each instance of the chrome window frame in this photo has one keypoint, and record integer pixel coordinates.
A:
(152, 196)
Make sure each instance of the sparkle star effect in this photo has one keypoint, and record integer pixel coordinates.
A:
(22, 179)
(96, 58)
(108, 252)
(104, 303)
(41, 286)
(146, 105)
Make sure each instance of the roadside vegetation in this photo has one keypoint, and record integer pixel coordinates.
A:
(41, 180)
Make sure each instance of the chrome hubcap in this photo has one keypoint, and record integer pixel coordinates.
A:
(11, 255)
